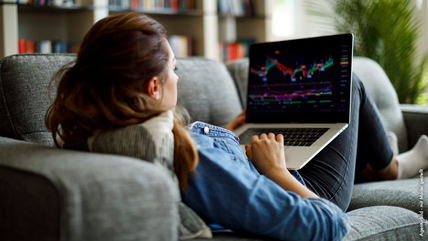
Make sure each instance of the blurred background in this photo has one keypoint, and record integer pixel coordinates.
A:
(392, 32)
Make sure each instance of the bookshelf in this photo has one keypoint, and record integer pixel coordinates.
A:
(199, 21)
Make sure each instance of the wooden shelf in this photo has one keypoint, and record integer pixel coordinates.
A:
(71, 22)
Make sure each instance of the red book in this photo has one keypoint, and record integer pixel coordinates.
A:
(174, 5)
(21, 46)
(29, 47)
(232, 51)
(134, 4)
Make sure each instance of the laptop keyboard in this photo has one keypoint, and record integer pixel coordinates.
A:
(292, 136)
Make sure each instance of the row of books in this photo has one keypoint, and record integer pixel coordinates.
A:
(45, 46)
(236, 50)
(156, 5)
(55, 2)
(181, 45)
(226, 7)
(235, 7)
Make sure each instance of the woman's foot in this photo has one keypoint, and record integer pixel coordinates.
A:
(368, 174)
(390, 172)
(410, 162)
(393, 142)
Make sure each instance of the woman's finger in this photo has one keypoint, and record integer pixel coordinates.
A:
(254, 138)
(263, 136)
(271, 136)
(280, 138)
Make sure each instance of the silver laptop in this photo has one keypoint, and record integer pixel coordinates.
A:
(302, 89)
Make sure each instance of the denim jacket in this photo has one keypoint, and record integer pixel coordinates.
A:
(230, 192)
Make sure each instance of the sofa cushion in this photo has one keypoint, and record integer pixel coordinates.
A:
(385, 223)
(401, 193)
(53, 194)
(371, 223)
(23, 95)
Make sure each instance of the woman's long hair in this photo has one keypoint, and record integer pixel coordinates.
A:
(106, 87)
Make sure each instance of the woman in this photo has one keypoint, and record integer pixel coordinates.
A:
(124, 77)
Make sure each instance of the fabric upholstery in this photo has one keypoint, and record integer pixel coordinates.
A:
(207, 91)
(371, 223)
(23, 95)
(77, 196)
(385, 223)
(372, 76)
(383, 93)
(239, 72)
(416, 118)
(28, 200)
(400, 193)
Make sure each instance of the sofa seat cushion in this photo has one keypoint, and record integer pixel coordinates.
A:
(370, 223)
(401, 193)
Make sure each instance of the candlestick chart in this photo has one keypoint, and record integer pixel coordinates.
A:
(277, 81)
(307, 71)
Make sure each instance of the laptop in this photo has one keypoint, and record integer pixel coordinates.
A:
(300, 88)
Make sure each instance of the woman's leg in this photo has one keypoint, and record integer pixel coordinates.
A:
(331, 173)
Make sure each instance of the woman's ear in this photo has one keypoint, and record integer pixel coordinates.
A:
(153, 88)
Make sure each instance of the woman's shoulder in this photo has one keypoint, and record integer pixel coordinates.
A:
(204, 131)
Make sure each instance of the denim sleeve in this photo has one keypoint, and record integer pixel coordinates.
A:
(229, 194)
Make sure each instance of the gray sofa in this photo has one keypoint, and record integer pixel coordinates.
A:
(53, 194)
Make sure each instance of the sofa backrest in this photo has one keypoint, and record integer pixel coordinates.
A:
(23, 95)
(383, 93)
(375, 81)
(205, 89)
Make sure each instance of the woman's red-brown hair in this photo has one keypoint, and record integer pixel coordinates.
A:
(106, 87)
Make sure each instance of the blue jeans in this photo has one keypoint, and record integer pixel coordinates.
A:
(331, 173)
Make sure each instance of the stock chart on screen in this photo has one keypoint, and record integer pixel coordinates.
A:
(294, 79)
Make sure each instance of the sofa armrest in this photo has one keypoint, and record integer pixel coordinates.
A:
(416, 119)
(56, 194)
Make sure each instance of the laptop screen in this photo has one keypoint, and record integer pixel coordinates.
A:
(300, 81)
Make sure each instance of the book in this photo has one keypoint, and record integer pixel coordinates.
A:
(29, 47)
(181, 45)
(235, 50)
(46, 46)
(21, 46)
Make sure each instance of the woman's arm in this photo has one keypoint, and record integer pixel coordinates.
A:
(237, 122)
(267, 155)
(229, 194)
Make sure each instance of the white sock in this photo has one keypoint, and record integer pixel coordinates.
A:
(410, 162)
(393, 142)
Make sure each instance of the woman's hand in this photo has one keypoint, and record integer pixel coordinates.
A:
(267, 155)
(237, 122)
(267, 152)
